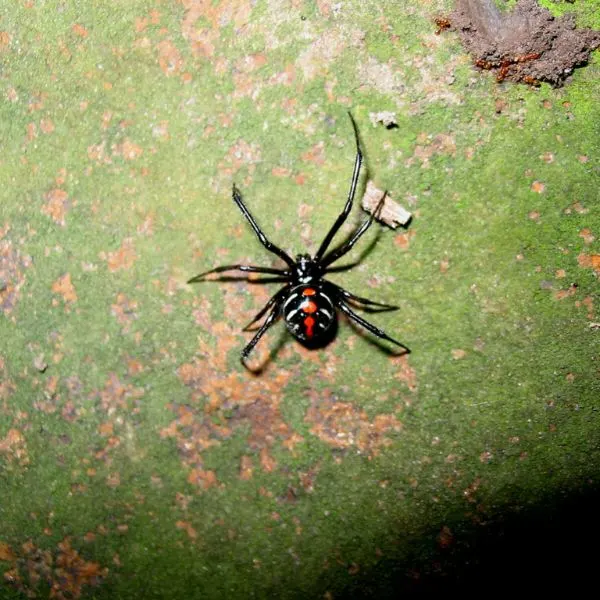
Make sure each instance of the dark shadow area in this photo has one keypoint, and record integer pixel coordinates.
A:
(244, 278)
(286, 337)
(381, 345)
(364, 253)
(540, 549)
(258, 369)
(372, 309)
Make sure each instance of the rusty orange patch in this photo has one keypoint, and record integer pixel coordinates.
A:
(587, 235)
(147, 226)
(64, 572)
(117, 395)
(46, 125)
(267, 462)
(57, 204)
(134, 367)
(31, 132)
(118, 400)
(538, 187)
(106, 429)
(113, 480)
(215, 388)
(280, 172)
(429, 146)
(562, 294)
(445, 538)
(121, 259)
(202, 38)
(589, 261)
(316, 154)
(65, 288)
(49, 401)
(7, 386)
(140, 24)
(4, 40)
(405, 372)
(98, 153)
(402, 240)
(251, 62)
(203, 479)
(342, 425)
(587, 302)
(128, 150)
(61, 177)
(13, 449)
(6, 553)
(80, 30)
(241, 154)
(246, 468)
(187, 527)
(169, 58)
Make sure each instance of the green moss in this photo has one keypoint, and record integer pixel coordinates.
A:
(358, 462)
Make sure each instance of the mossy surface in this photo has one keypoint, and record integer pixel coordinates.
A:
(138, 459)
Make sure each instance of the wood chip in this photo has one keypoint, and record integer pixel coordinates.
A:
(392, 214)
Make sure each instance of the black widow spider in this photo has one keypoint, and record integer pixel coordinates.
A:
(308, 302)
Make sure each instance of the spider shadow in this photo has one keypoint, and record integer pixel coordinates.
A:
(361, 257)
(383, 347)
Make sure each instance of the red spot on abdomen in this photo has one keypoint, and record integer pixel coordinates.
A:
(309, 323)
(309, 292)
(309, 307)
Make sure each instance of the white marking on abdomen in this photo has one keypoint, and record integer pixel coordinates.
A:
(289, 316)
(327, 297)
(290, 298)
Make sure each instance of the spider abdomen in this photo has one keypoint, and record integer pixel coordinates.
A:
(308, 312)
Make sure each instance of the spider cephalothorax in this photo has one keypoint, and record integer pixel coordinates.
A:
(308, 302)
(306, 269)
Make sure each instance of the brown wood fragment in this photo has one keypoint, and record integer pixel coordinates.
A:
(392, 214)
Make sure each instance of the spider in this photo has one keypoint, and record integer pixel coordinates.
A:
(308, 302)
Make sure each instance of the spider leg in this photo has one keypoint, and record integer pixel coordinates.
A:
(245, 268)
(275, 298)
(268, 322)
(368, 326)
(344, 214)
(237, 197)
(347, 246)
(359, 300)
